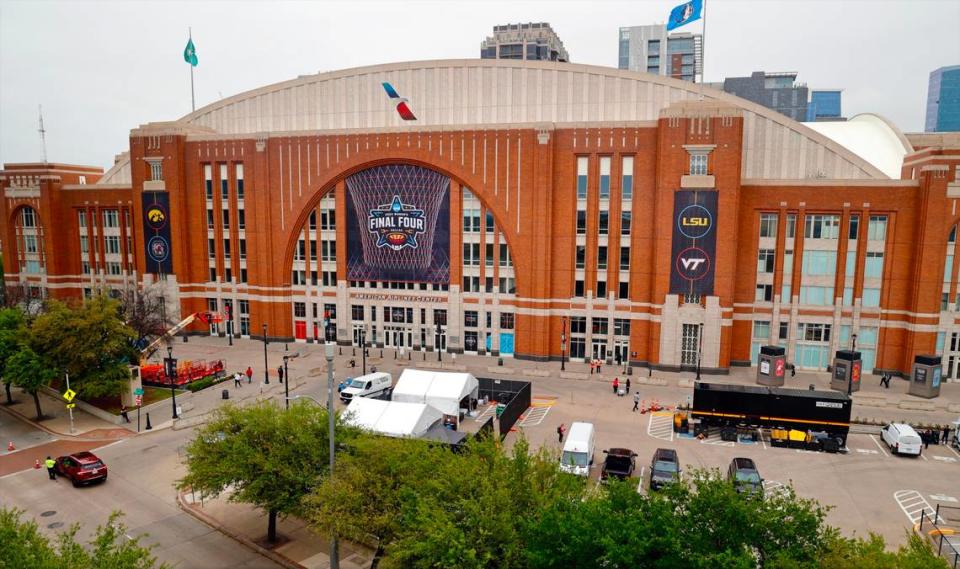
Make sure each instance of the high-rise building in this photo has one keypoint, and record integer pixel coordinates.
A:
(651, 49)
(943, 100)
(534, 42)
(825, 105)
(777, 91)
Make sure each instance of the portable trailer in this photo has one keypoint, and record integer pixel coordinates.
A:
(822, 416)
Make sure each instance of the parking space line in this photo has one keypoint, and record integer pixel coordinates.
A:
(950, 448)
(913, 504)
(660, 425)
(924, 457)
(879, 446)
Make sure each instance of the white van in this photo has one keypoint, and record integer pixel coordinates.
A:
(577, 454)
(370, 385)
(902, 439)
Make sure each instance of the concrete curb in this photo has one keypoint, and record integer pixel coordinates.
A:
(241, 539)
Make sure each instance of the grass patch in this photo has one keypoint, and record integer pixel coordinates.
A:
(112, 404)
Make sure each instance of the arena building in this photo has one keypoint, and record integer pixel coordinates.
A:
(538, 210)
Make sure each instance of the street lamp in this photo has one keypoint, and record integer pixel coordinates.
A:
(563, 345)
(700, 351)
(363, 349)
(266, 370)
(286, 384)
(328, 352)
(439, 343)
(172, 372)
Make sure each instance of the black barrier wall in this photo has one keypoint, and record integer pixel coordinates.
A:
(516, 395)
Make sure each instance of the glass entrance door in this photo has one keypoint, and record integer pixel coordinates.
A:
(690, 344)
(599, 350)
(397, 337)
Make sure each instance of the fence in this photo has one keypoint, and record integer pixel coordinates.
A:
(947, 545)
(514, 393)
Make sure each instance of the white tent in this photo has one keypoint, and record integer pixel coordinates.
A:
(392, 418)
(441, 390)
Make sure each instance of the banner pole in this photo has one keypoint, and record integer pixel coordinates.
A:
(703, 50)
(193, 104)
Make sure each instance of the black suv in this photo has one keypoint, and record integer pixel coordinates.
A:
(664, 468)
(745, 477)
(620, 463)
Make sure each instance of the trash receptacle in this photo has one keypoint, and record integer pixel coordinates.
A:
(225, 394)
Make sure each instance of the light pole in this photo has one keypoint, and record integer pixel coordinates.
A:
(439, 343)
(563, 345)
(363, 349)
(229, 313)
(172, 373)
(286, 384)
(328, 352)
(266, 370)
(699, 350)
(850, 379)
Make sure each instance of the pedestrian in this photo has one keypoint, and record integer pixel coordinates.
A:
(599, 366)
(249, 374)
(560, 431)
(628, 386)
(616, 385)
(592, 366)
(280, 373)
(945, 437)
(51, 467)
(926, 439)
(236, 379)
(123, 412)
(636, 401)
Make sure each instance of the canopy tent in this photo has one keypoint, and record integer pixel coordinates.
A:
(392, 418)
(441, 390)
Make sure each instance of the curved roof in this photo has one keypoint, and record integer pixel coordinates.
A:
(871, 137)
(478, 92)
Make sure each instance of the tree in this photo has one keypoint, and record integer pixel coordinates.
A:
(11, 332)
(871, 552)
(26, 547)
(90, 342)
(271, 457)
(30, 372)
(145, 312)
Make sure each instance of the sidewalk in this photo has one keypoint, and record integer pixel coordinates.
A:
(297, 545)
(57, 419)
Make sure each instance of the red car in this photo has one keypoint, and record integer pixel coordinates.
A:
(82, 468)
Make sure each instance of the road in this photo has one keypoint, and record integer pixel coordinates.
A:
(142, 471)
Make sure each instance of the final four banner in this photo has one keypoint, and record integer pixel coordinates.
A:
(694, 242)
(398, 224)
(156, 232)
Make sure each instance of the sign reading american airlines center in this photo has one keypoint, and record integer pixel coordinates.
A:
(398, 224)
(694, 242)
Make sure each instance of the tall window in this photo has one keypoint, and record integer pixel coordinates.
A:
(626, 180)
(156, 170)
(626, 218)
(602, 257)
(854, 227)
(765, 260)
(224, 191)
(604, 223)
(110, 218)
(604, 177)
(582, 177)
(581, 222)
(471, 220)
(877, 228)
(82, 218)
(698, 164)
(208, 180)
(768, 225)
(239, 174)
(822, 227)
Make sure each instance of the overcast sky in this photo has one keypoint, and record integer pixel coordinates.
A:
(102, 68)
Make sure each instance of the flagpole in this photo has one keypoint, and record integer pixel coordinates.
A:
(193, 104)
(703, 50)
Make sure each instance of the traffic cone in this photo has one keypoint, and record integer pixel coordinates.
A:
(10, 446)
(36, 465)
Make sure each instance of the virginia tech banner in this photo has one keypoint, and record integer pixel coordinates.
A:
(156, 232)
(694, 242)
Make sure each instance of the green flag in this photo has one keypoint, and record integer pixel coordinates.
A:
(190, 53)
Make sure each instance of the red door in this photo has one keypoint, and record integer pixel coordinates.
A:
(300, 330)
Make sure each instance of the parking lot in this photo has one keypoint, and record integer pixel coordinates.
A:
(867, 487)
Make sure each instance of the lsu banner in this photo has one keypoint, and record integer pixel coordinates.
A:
(156, 232)
(398, 225)
(694, 242)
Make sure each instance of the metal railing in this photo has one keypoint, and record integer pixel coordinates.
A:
(946, 546)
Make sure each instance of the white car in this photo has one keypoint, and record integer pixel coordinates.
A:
(902, 439)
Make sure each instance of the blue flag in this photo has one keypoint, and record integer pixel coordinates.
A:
(684, 14)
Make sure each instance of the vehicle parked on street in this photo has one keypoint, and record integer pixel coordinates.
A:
(81, 468)
(577, 457)
(619, 463)
(664, 468)
(745, 477)
(902, 439)
(370, 385)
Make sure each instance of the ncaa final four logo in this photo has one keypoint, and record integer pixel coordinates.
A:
(396, 224)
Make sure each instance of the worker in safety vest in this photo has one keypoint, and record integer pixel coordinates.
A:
(51, 464)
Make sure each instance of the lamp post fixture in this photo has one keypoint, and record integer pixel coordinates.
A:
(328, 352)
(439, 343)
(266, 370)
(563, 346)
(363, 349)
(286, 384)
(699, 350)
(850, 379)
(172, 372)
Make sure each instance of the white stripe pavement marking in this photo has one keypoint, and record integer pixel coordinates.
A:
(944, 458)
(942, 498)
(534, 416)
(490, 410)
(879, 446)
(923, 456)
(867, 451)
(913, 504)
(660, 426)
(950, 448)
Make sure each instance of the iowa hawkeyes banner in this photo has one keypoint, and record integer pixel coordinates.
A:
(156, 232)
(398, 225)
(694, 242)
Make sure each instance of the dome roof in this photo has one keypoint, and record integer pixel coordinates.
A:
(871, 137)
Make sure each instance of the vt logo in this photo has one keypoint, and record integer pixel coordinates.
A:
(693, 263)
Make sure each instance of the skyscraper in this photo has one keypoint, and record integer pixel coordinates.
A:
(652, 50)
(777, 91)
(533, 41)
(943, 100)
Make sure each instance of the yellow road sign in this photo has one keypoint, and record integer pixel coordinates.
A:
(71, 405)
(69, 395)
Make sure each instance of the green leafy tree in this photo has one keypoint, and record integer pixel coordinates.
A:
(270, 457)
(871, 552)
(91, 342)
(30, 372)
(24, 546)
(11, 333)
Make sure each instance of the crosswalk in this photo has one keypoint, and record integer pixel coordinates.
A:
(661, 425)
